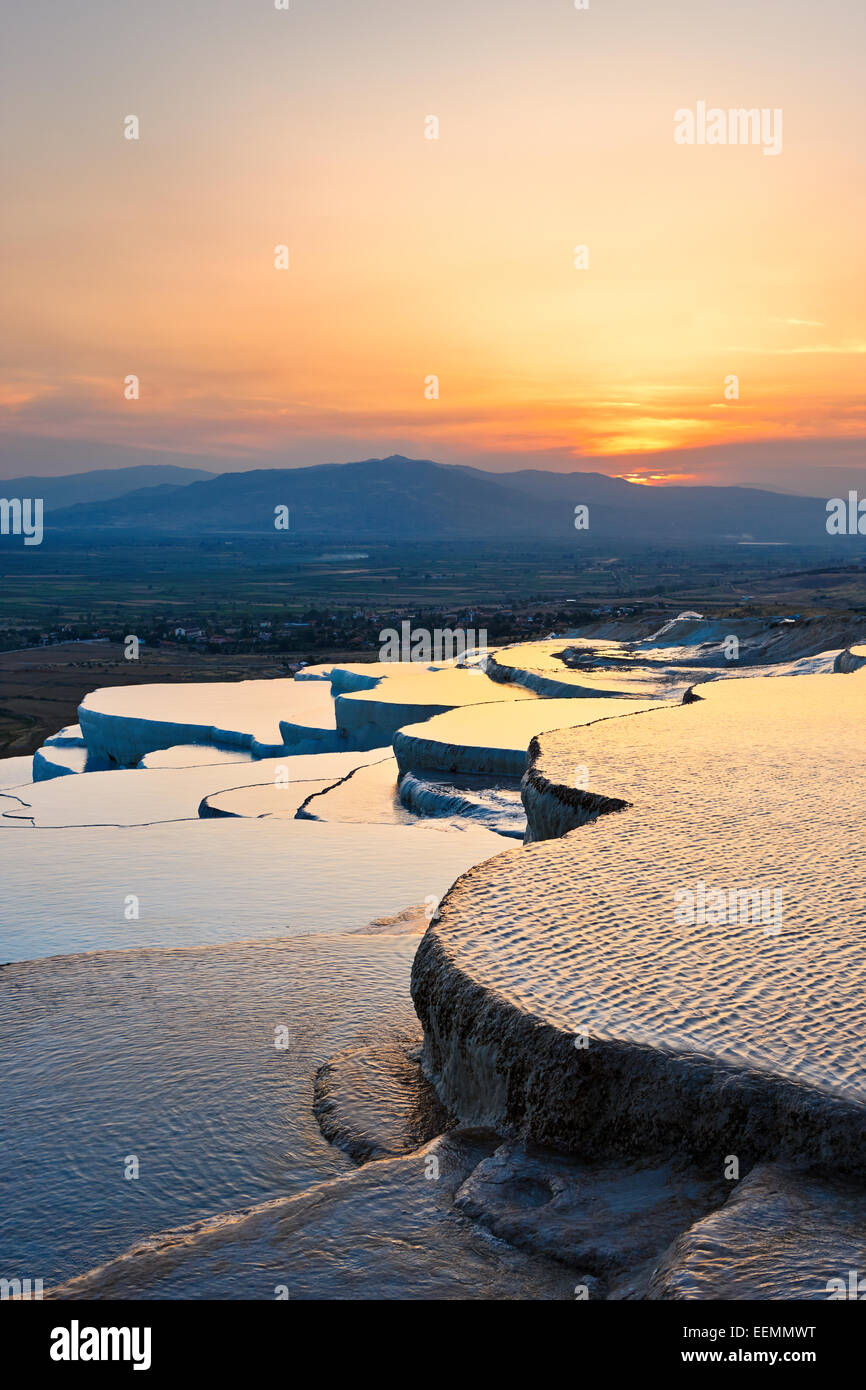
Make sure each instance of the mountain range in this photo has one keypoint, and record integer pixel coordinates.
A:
(398, 498)
(99, 484)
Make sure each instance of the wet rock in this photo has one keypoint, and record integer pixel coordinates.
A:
(604, 1219)
(375, 1102)
(386, 1231)
(782, 1235)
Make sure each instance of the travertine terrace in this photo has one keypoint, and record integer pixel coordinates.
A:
(591, 992)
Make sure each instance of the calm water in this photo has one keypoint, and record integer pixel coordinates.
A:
(170, 1055)
(154, 956)
(204, 881)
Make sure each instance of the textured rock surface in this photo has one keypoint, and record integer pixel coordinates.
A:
(743, 747)
(494, 738)
(369, 718)
(607, 1220)
(780, 1235)
(851, 659)
(706, 1037)
(540, 668)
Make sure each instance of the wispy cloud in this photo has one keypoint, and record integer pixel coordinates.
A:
(832, 349)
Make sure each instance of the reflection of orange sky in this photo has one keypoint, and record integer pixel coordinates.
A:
(454, 258)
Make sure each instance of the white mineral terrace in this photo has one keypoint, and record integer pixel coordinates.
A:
(194, 755)
(360, 707)
(125, 723)
(368, 796)
(669, 972)
(851, 659)
(493, 738)
(538, 666)
(136, 796)
(15, 771)
(708, 1018)
(405, 693)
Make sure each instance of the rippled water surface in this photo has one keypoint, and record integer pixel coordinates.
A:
(594, 930)
(203, 881)
(170, 1056)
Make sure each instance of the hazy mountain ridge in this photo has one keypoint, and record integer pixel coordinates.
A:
(399, 497)
(99, 484)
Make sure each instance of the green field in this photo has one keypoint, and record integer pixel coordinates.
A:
(226, 583)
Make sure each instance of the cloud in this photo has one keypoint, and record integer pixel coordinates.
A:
(819, 348)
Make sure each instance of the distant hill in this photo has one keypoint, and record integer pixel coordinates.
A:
(399, 498)
(100, 484)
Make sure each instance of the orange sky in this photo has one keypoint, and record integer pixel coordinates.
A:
(454, 257)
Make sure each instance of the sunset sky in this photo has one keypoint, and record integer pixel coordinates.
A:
(412, 257)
